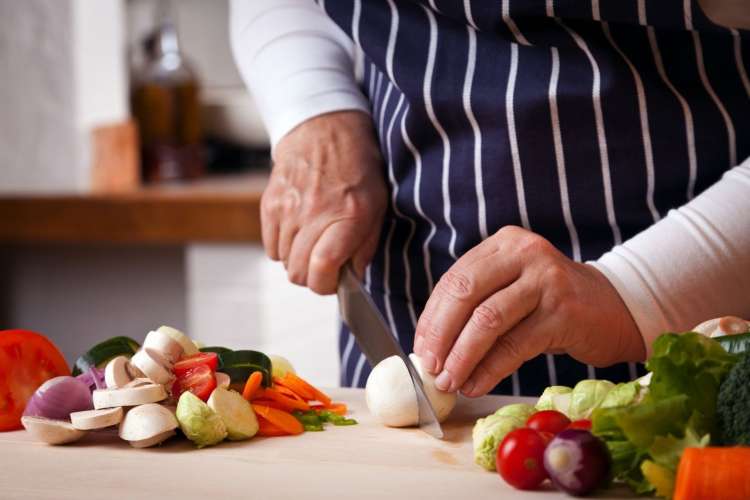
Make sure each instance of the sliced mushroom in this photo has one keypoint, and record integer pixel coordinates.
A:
(158, 439)
(51, 431)
(129, 396)
(96, 419)
(188, 346)
(222, 380)
(726, 325)
(153, 365)
(144, 424)
(116, 374)
(164, 344)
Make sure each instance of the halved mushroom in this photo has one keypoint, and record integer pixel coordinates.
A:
(129, 396)
(164, 344)
(116, 373)
(51, 431)
(147, 425)
(153, 365)
(726, 325)
(96, 419)
(187, 345)
(222, 380)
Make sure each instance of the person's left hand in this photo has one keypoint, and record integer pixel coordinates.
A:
(515, 296)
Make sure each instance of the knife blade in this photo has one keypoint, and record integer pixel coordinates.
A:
(377, 342)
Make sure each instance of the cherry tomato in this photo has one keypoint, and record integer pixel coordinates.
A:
(583, 424)
(520, 458)
(548, 421)
(199, 380)
(209, 359)
(27, 360)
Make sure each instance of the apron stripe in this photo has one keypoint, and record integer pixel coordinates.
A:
(512, 136)
(512, 25)
(469, 16)
(738, 58)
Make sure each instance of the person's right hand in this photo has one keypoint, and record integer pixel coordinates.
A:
(325, 200)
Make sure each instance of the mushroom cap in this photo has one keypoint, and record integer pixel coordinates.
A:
(51, 431)
(147, 421)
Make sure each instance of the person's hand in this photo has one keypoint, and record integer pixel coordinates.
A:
(325, 200)
(515, 296)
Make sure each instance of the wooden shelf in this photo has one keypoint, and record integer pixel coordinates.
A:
(217, 209)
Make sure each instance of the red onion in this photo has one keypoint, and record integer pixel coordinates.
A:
(58, 397)
(93, 377)
(576, 461)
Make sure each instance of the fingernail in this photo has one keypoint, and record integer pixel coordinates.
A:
(468, 388)
(443, 381)
(429, 362)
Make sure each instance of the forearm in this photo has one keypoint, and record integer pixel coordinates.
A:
(295, 60)
(692, 265)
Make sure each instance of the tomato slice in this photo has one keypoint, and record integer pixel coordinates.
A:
(583, 424)
(209, 359)
(548, 421)
(27, 360)
(520, 458)
(199, 380)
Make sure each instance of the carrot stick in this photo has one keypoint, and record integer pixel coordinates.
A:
(252, 385)
(708, 473)
(297, 388)
(267, 429)
(306, 387)
(287, 403)
(337, 408)
(281, 419)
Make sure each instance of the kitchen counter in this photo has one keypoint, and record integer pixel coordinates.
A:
(213, 209)
(359, 462)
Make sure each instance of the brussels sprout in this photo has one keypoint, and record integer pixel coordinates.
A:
(487, 435)
(622, 395)
(586, 396)
(546, 400)
(236, 413)
(200, 423)
(519, 410)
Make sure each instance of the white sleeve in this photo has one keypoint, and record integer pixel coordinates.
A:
(295, 60)
(691, 266)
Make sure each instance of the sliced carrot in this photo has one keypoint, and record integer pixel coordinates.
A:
(270, 403)
(299, 389)
(714, 472)
(287, 403)
(337, 408)
(281, 419)
(291, 378)
(288, 392)
(252, 385)
(267, 429)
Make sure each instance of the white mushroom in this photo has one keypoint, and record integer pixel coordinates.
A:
(129, 396)
(222, 380)
(188, 346)
(153, 365)
(96, 419)
(51, 431)
(116, 373)
(164, 344)
(391, 397)
(147, 425)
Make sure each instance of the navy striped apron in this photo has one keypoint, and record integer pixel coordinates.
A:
(584, 122)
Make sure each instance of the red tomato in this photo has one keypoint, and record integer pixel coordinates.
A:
(199, 380)
(583, 424)
(27, 360)
(548, 421)
(520, 458)
(209, 359)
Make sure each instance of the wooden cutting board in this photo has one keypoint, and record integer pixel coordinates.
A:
(358, 462)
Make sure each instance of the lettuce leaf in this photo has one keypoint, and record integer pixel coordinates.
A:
(678, 411)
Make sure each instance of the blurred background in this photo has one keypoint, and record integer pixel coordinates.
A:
(132, 160)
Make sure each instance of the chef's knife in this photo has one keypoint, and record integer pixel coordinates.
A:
(377, 342)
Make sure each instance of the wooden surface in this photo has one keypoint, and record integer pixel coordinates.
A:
(359, 462)
(222, 209)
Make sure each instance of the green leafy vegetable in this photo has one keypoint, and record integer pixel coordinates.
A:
(546, 400)
(199, 422)
(586, 396)
(521, 411)
(487, 435)
(313, 420)
(678, 411)
(733, 405)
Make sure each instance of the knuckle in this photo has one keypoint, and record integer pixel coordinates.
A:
(486, 317)
(457, 359)
(324, 262)
(456, 284)
(429, 329)
(511, 348)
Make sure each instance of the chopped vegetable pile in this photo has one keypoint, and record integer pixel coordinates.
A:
(210, 394)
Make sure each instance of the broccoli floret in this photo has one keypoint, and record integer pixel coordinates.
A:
(733, 405)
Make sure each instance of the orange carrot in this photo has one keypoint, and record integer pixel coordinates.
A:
(713, 473)
(252, 385)
(337, 408)
(281, 419)
(267, 429)
(287, 403)
(297, 384)
(296, 388)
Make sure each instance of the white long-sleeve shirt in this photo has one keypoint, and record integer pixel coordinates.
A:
(692, 265)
